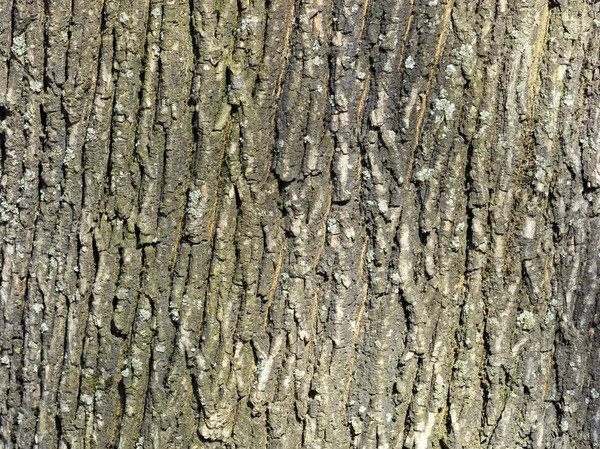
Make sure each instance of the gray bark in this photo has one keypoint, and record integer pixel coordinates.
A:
(311, 223)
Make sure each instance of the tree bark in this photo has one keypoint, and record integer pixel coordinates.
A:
(300, 224)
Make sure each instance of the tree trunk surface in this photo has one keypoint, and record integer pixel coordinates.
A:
(300, 224)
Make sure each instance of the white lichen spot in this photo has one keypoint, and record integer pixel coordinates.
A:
(35, 86)
(564, 425)
(90, 134)
(160, 348)
(361, 75)
(145, 315)
(450, 71)
(119, 108)
(87, 399)
(594, 393)
(237, 84)
(316, 46)
(485, 115)
(44, 328)
(466, 50)
(174, 315)
(245, 22)
(468, 309)
(426, 174)
(123, 17)
(362, 409)
(455, 243)
(382, 205)
(319, 88)
(156, 50)
(317, 61)
(410, 63)
(140, 443)
(37, 307)
(549, 317)
(69, 156)
(64, 407)
(526, 320)
(5, 360)
(125, 372)
(193, 206)
(332, 226)
(155, 12)
(19, 47)
(298, 374)
(32, 345)
(443, 104)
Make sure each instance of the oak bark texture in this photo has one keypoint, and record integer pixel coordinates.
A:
(300, 223)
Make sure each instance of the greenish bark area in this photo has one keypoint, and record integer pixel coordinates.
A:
(299, 224)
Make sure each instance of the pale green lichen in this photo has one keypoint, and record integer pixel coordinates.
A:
(332, 227)
(549, 317)
(245, 22)
(444, 105)
(450, 71)
(193, 204)
(468, 309)
(90, 134)
(526, 320)
(409, 63)
(425, 174)
(19, 46)
(35, 86)
(466, 50)
(69, 156)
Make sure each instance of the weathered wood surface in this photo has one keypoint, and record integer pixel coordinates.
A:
(285, 224)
